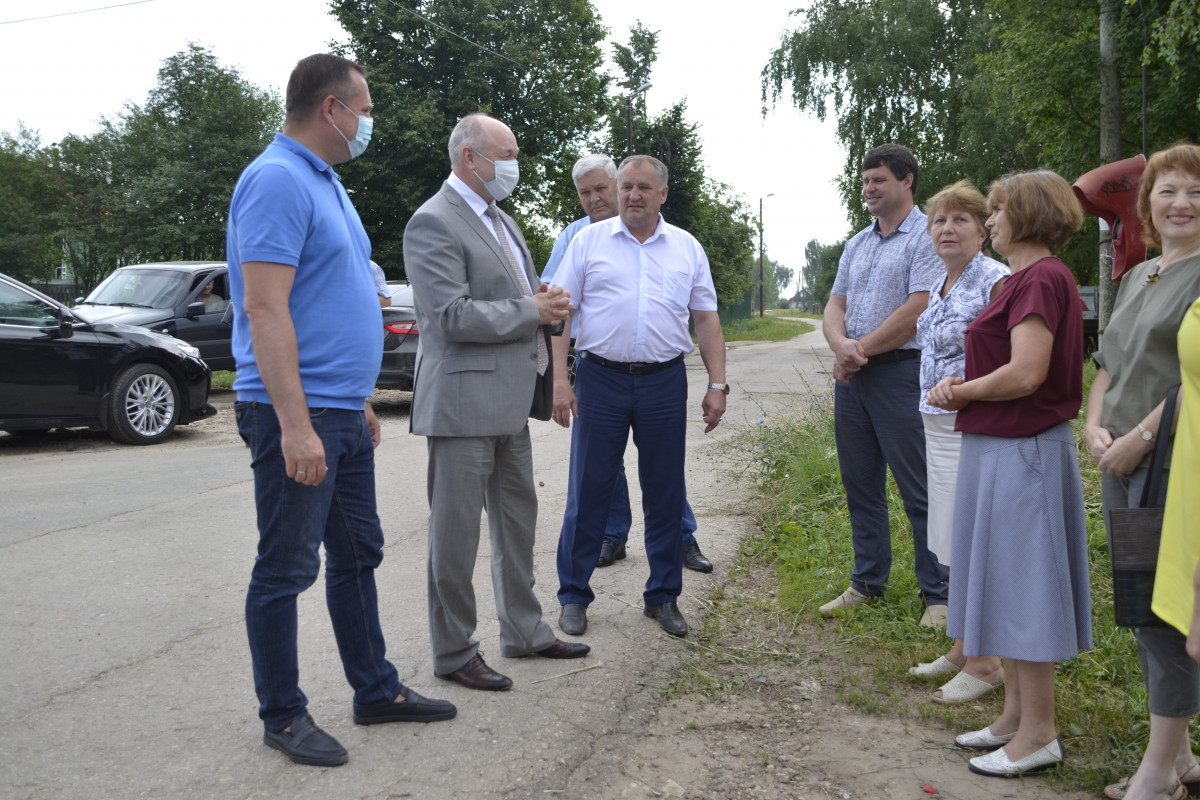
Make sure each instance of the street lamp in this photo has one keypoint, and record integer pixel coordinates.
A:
(629, 117)
(761, 276)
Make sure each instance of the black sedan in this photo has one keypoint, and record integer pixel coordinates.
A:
(185, 299)
(400, 337)
(60, 370)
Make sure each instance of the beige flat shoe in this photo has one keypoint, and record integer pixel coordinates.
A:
(934, 669)
(964, 688)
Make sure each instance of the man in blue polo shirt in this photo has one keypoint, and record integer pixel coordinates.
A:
(307, 338)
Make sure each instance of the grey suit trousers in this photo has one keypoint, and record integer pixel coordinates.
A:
(466, 475)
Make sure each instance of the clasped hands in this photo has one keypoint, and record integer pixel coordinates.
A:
(553, 303)
(943, 396)
(850, 359)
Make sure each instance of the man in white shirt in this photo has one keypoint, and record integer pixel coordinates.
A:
(595, 179)
(634, 280)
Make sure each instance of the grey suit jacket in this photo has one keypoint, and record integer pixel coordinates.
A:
(476, 370)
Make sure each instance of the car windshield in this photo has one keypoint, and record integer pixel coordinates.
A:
(144, 288)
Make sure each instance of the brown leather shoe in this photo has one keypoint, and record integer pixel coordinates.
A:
(475, 674)
(561, 649)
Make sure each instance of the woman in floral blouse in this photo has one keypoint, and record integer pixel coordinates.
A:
(957, 215)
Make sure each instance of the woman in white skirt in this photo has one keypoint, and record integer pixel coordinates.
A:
(1020, 587)
(956, 217)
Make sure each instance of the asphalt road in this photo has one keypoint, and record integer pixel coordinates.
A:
(124, 670)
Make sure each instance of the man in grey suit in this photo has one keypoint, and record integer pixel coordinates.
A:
(482, 370)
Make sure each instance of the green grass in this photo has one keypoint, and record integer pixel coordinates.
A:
(223, 379)
(763, 329)
(805, 536)
(792, 313)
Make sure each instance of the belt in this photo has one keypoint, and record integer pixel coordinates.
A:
(633, 368)
(892, 357)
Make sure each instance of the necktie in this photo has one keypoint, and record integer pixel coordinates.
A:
(493, 214)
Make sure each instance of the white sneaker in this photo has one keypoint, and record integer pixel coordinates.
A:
(851, 598)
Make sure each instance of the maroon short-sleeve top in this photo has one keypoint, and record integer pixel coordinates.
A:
(1045, 288)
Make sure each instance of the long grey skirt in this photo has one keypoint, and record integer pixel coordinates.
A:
(1019, 579)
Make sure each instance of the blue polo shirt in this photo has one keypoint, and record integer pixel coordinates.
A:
(289, 207)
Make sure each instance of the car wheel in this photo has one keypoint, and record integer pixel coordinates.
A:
(144, 405)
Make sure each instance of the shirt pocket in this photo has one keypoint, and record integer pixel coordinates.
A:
(676, 287)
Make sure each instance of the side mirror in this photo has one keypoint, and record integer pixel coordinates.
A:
(195, 310)
(66, 320)
(79, 300)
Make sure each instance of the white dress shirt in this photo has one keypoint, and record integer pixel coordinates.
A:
(634, 298)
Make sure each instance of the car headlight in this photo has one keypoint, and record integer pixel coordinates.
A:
(188, 350)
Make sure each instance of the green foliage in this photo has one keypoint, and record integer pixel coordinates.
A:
(424, 79)
(180, 155)
(978, 88)
(764, 329)
(722, 223)
(28, 199)
(820, 268)
(152, 184)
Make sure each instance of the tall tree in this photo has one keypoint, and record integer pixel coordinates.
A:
(182, 152)
(29, 195)
(534, 64)
(895, 71)
(820, 268)
(981, 87)
(705, 208)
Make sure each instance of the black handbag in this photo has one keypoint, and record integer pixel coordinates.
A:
(1135, 534)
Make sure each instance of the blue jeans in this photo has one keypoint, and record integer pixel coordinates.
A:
(612, 402)
(620, 515)
(293, 522)
(878, 425)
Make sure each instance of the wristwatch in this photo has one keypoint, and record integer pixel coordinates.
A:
(1146, 434)
(724, 387)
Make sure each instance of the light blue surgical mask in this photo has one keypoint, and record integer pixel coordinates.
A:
(507, 175)
(362, 137)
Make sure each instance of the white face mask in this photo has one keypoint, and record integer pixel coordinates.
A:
(507, 175)
(362, 137)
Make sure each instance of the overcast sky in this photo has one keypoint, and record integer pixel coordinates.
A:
(61, 75)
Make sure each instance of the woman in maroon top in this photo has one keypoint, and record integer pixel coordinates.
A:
(1019, 522)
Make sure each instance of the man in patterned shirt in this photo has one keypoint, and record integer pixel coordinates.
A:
(882, 286)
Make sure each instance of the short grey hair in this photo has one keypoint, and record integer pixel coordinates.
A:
(659, 167)
(469, 132)
(592, 162)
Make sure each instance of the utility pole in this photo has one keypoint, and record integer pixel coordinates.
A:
(761, 255)
(1110, 143)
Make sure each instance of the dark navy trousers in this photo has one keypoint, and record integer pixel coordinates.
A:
(878, 426)
(611, 403)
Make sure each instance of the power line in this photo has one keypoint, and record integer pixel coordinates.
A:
(456, 35)
(70, 13)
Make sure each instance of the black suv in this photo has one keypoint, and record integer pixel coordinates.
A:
(60, 370)
(185, 299)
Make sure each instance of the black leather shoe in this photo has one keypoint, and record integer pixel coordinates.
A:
(694, 559)
(307, 744)
(414, 708)
(573, 619)
(610, 551)
(669, 618)
(475, 674)
(561, 649)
